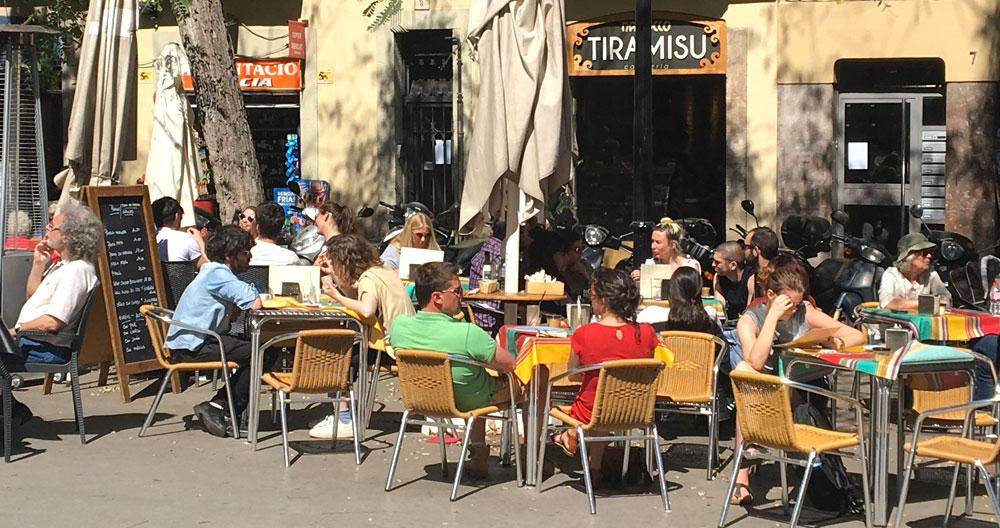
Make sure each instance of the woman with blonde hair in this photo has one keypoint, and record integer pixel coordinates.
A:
(666, 248)
(418, 232)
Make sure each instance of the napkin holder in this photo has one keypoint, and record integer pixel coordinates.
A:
(549, 289)
(927, 304)
(489, 286)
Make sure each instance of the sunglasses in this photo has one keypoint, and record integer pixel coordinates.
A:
(248, 218)
(421, 235)
(457, 291)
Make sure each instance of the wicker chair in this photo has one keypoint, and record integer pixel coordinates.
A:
(950, 448)
(764, 411)
(177, 276)
(157, 321)
(690, 385)
(425, 380)
(321, 365)
(626, 394)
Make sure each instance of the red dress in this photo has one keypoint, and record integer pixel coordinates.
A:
(595, 343)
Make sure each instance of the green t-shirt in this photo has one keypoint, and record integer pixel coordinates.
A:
(440, 332)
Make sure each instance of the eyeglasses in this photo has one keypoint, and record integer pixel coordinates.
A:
(421, 235)
(457, 291)
(248, 218)
(51, 227)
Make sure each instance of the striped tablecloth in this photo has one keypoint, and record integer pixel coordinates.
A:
(887, 366)
(955, 325)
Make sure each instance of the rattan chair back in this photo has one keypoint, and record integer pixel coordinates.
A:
(764, 410)
(156, 335)
(626, 394)
(425, 380)
(322, 361)
(689, 379)
(924, 400)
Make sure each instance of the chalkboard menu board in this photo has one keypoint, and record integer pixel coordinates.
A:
(129, 269)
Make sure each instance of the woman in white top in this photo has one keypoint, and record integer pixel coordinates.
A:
(911, 276)
(666, 248)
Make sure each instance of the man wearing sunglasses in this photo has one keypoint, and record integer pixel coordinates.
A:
(434, 327)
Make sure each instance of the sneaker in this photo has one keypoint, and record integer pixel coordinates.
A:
(212, 418)
(324, 429)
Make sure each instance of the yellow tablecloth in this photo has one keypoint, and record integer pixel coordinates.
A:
(554, 351)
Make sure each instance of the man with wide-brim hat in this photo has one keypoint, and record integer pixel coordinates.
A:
(912, 275)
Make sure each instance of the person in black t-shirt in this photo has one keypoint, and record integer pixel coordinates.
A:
(732, 278)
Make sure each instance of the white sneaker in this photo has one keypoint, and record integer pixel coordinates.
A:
(324, 429)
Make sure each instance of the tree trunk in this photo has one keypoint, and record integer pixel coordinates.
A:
(220, 103)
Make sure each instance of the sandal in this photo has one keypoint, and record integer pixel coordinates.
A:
(745, 499)
(566, 442)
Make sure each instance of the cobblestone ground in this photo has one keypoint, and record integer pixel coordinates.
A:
(179, 475)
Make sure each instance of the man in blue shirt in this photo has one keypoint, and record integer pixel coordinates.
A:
(208, 303)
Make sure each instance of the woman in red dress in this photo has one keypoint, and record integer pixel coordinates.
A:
(614, 298)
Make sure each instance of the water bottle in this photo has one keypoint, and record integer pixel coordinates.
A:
(995, 298)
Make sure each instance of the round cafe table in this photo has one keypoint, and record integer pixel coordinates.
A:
(511, 301)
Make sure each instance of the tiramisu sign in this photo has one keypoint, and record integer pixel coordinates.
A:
(679, 46)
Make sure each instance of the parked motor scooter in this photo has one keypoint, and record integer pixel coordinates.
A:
(859, 276)
(309, 242)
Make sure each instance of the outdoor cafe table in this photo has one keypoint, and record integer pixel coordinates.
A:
(708, 301)
(289, 319)
(952, 325)
(532, 349)
(511, 301)
(915, 358)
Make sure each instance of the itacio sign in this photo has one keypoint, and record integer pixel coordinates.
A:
(680, 45)
(261, 75)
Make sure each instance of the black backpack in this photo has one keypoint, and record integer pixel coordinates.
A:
(830, 487)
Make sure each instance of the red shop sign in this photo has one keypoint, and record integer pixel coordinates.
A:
(297, 39)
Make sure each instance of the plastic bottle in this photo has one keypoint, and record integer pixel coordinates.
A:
(995, 298)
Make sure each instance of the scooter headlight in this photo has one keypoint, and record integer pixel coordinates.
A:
(594, 235)
(951, 250)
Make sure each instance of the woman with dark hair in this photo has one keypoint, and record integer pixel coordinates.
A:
(352, 263)
(616, 335)
(247, 220)
(331, 219)
(560, 254)
(686, 309)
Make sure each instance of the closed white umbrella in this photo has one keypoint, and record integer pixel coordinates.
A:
(172, 167)
(102, 120)
(522, 129)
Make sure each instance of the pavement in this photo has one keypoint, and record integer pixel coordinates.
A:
(179, 476)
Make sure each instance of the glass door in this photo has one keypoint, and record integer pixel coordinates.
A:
(878, 164)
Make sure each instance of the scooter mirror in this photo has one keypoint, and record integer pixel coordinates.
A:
(294, 187)
(840, 217)
(748, 206)
(916, 211)
(365, 212)
(594, 235)
(872, 255)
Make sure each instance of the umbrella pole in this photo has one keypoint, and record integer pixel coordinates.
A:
(512, 239)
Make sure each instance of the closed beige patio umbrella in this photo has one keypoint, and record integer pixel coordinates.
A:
(522, 129)
(102, 119)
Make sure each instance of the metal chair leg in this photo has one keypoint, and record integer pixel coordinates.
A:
(800, 499)
(336, 423)
(628, 448)
(906, 486)
(582, 442)
(517, 446)
(155, 404)
(783, 470)
(713, 441)
(77, 400)
(357, 427)
(232, 407)
(8, 420)
(215, 379)
(444, 452)
(284, 424)
(989, 488)
(274, 406)
(395, 451)
(866, 489)
(541, 455)
(951, 494)
(732, 482)
(461, 457)
(658, 457)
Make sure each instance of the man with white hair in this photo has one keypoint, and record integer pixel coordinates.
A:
(56, 293)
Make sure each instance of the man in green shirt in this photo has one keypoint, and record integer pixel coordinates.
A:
(434, 327)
